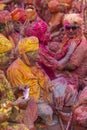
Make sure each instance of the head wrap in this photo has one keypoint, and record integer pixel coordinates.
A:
(19, 14)
(5, 44)
(5, 16)
(28, 44)
(72, 18)
(39, 29)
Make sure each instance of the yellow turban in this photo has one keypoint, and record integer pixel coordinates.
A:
(5, 44)
(28, 44)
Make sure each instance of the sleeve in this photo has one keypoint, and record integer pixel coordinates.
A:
(67, 56)
(78, 55)
(43, 80)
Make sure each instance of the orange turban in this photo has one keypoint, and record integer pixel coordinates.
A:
(5, 44)
(28, 44)
(18, 15)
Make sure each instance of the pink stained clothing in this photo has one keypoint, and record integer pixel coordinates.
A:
(43, 63)
(39, 29)
(80, 113)
(79, 59)
(31, 113)
(46, 53)
(65, 90)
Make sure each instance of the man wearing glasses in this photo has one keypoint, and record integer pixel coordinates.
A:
(77, 63)
(73, 66)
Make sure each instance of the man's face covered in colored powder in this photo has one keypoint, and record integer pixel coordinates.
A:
(72, 30)
(32, 56)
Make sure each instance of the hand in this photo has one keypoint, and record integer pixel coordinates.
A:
(23, 27)
(48, 60)
(23, 87)
(72, 47)
(59, 102)
(58, 99)
(21, 102)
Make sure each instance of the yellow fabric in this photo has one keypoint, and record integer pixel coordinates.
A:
(28, 44)
(20, 74)
(13, 126)
(5, 112)
(5, 88)
(2, 6)
(5, 44)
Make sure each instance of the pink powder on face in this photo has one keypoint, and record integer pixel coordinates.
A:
(66, 24)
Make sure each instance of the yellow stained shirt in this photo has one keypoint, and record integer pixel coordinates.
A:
(19, 74)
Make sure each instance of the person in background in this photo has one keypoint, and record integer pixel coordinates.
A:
(36, 27)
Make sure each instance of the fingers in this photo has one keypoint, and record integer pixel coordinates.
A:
(59, 102)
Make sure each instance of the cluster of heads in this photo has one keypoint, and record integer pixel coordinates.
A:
(28, 47)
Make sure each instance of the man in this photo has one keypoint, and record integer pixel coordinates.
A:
(27, 73)
(65, 88)
(75, 59)
(6, 93)
(77, 63)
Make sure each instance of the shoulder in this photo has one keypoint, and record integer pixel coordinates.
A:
(82, 47)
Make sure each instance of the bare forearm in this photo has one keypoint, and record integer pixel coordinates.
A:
(54, 34)
(69, 66)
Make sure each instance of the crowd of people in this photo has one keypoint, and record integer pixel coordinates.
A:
(43, 64)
